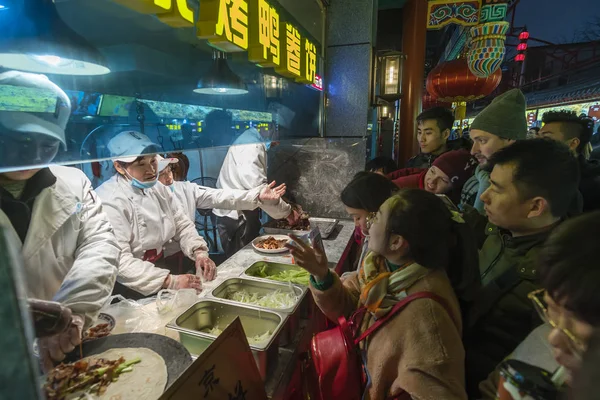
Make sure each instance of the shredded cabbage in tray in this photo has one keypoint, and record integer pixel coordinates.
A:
(276, 299)
(257, 339)
(299, 276)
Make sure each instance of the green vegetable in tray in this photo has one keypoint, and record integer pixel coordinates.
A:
(276, 299)
(299, 276)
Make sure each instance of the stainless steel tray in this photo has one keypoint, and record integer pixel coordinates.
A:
(209, 313)
(260, 287)
(272, 268)
(325, 225)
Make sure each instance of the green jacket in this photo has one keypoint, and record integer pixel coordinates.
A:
(502, 315)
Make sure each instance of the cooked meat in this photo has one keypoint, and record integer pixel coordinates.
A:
(271, 243)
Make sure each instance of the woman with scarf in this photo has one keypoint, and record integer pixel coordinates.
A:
(361, 197)
(418, 353)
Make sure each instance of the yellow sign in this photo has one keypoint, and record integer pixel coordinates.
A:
(224, 23)
(292, 53)
(180, 15)
(241, 25)
(264, 48)
(309, 70)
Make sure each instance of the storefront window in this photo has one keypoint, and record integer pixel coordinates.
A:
(136, 65)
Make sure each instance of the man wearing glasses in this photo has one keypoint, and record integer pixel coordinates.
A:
(532, 186)
(568, 303)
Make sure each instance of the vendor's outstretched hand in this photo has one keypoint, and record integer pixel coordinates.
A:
(272, 194)
(206, 267)
(53, 349)
(311, 259)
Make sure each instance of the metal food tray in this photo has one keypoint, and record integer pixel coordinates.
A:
(272, 230)
(273, 268)
(261, 287)
(325, 225)
(209, 313)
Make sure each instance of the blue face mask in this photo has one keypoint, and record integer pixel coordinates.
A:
(142, 185)
(172, 187)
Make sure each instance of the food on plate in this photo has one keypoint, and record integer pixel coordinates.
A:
(299, 275)
(127, 373)
(97, 331)
(92, 376)
(257, 339)
(276, 299)
(271, 243)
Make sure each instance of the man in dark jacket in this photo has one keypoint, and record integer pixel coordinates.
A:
(576, 132)
(532, 185)
(433, 130)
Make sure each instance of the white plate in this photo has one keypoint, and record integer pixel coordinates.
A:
(275, 251)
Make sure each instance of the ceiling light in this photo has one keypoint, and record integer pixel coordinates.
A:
(36, 39)
(221, 80)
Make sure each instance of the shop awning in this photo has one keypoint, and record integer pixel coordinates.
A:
(588, 90)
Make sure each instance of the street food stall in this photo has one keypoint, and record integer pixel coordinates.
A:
(192, 77)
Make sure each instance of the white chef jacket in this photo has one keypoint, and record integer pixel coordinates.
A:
(146, 220)
(245, 168)
(69, 257)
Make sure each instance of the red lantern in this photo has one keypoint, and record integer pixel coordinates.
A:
(453, 81)
(429, 102)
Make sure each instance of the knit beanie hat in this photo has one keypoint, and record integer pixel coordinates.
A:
(504, 117)
(459, 165)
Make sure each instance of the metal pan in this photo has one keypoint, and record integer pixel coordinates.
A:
(272, 268)
(176, 357)
(259, 287)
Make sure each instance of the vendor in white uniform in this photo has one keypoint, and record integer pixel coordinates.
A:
(192, 196)
(70, 254)
(245, 168)
(146, 217)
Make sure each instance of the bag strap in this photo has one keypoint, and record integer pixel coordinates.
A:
(399, 306)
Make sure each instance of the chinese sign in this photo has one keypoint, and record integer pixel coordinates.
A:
(264, 47)
(255, 26)
(225, 371)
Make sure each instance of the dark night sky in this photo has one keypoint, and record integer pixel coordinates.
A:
(555, 20)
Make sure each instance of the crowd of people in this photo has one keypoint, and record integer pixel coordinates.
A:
(491, 238)
(506, 245)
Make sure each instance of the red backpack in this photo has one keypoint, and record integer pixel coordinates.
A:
(336, 356)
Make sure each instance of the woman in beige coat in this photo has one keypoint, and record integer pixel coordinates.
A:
(418, 354)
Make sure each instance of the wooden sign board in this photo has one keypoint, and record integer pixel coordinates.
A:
(225, 371)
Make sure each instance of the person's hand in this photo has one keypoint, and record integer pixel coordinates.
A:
(270, 193)
(206, 267)
(187, 281)
(52, 349)
(311, 259)
(293, 218)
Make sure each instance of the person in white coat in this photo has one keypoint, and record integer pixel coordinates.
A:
(69, 252)
(245, 168)
(146, 217)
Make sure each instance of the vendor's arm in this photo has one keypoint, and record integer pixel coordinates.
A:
(90, 281)
(136, 274)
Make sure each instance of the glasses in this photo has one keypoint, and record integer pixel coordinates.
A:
(370, 218)
(537, 298)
